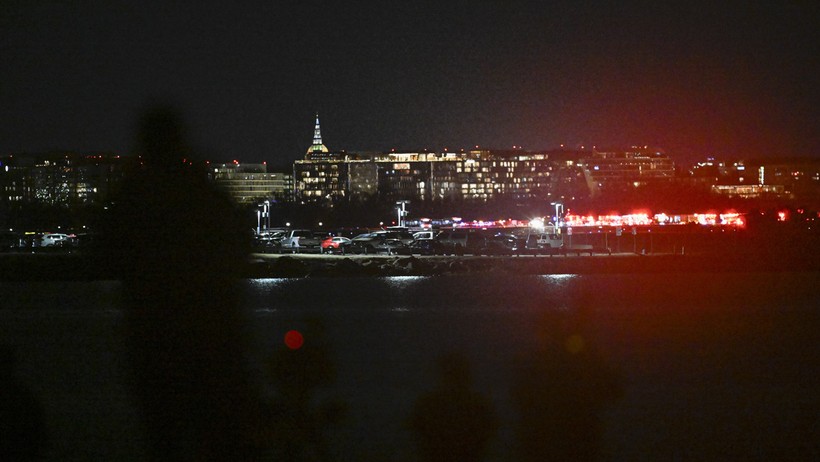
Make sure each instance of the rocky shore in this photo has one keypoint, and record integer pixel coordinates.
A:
(67, 266)
(344, 266)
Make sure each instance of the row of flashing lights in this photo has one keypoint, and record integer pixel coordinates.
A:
(635, 219)
(644, 219)
(509, 223)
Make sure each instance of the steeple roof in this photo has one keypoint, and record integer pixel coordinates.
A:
(317, 145)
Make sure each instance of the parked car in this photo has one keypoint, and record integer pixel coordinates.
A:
(53, 240)
(424, 235)
(334, 244)
(460, 242)
(502, 244)
(270, 241)
(404, 236)
(426, 247)
(300, 240)
(375, 243)
(547, 243)
(452, 242)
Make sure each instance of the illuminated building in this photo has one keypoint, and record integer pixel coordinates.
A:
(474, 175)
(800, 177)
(749, 191)
(251, 183)
(72, 179)
(322, 179)
(521, 175)
(403, 176)
(362, 179)
(325, 176)
(16, 185)
(796, 178)
(421, 176)
(624, 169)
(61, 178)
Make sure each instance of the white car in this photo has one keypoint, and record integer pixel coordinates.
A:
(53, 239)
(300, 240)
(424, 235)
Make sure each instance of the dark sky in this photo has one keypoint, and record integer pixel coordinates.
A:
(717, 78)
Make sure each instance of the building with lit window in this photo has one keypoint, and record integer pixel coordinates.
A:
(16, 185)
(481, 175)
(252, 183)
(799, 175)
(520, 175)
(623, 169)
(320, 180)
(62, 178)
(796, 178)
(749, 191)
(323, 176)
(473, 175)
(362, 178)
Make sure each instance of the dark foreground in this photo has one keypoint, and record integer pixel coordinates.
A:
(707, 366)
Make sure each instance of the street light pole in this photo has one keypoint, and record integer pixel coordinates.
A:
(559, 212)
(401, 211)
(267, 215)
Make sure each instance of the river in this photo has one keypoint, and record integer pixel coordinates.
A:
(699, 366)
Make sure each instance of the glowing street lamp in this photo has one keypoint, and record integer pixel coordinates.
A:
(401, 211)
(263, 216)
(559, 212)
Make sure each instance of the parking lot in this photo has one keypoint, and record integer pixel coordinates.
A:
(444, 242)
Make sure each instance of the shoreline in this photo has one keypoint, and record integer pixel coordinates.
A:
(81, 267)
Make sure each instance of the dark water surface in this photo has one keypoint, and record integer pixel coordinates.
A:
(709, 366)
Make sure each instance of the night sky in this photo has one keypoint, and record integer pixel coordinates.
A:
(728, 79)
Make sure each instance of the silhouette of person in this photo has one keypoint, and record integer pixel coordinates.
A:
(178, 245)
(22, 420)
(453, 422)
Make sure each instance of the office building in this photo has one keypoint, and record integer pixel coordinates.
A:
(252, 183)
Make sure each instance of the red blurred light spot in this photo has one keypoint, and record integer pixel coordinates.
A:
(294, 339)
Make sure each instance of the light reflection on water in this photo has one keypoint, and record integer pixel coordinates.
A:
(400, 294)
(404, 281)
(558, 278)
(266, 283)
(401, 285)
(265, 311)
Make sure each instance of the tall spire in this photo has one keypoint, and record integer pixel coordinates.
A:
(317, 145)
(317, 132)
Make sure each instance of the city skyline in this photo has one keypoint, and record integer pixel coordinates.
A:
(730, 80)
